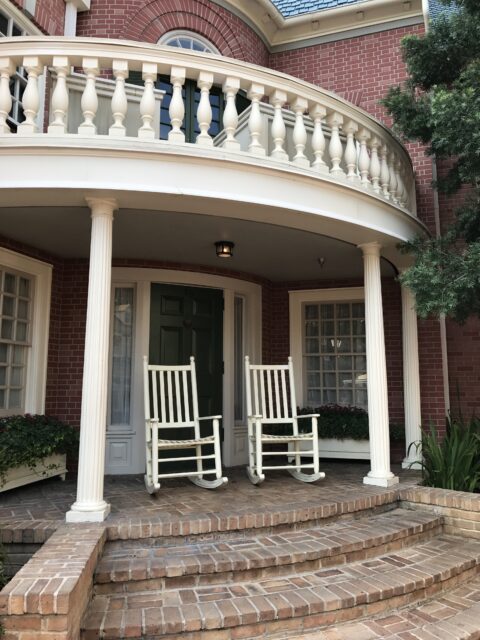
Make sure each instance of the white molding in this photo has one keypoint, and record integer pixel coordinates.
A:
(142, 278)
(36, 377)
(297, 299)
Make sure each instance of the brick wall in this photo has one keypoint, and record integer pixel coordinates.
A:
(49, 15)
(148, 21)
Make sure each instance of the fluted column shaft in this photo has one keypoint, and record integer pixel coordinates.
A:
(90, 505)
(411, 380)
(379, 474)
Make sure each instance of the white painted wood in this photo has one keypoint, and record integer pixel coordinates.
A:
(89, 98)
(375, 168)
(347, 449)
(392, 185)
(204, 111)
(6, 70)
(317, 114)
(147, 103)
(230, 115)
(119, 99)
(255, 94)
(378, 419)
(363, 157)
(90, 505)
(384, 172)
(335, 148)
(351, 129)
(278, 128)
(20, 476)
(272, 402)
(411, 381)
(171, 402)
(31, 96)
(60, 97)
(299, 106)
(176, 109)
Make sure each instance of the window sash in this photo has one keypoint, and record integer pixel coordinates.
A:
(122, 354)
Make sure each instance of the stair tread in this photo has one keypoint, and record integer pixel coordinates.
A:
(342, 587)
(122, 565)
(454, 616)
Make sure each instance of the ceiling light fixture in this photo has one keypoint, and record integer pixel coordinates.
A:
(224, 249)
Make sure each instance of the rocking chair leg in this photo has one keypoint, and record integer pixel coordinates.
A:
(207, 484)
(254, 477)
(150, 486)
(306, 477)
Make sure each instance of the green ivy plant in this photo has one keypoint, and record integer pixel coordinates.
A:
(453, 461)
(29, 439)
(339, 422)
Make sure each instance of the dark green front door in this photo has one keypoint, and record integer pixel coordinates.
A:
(188, 321)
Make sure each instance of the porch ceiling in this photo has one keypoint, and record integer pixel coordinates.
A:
(273, 252)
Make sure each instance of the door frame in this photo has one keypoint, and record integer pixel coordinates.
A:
(235, 435)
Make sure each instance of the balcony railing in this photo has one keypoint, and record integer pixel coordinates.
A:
(289, 122)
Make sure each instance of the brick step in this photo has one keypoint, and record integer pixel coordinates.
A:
(236, 560)
(453, 616)
(289, 605)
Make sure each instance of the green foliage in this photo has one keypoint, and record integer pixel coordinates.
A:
(28, 439)
(439, 106)
(454, 461)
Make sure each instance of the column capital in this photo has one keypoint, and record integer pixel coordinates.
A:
(102, 206)
(371, 248)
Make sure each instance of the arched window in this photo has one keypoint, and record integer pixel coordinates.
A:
(187, 40)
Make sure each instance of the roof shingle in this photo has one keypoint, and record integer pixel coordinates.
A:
(289, 8)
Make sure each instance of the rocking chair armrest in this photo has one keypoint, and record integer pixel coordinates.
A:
(310, 415)
(256, 416)
(211, 418)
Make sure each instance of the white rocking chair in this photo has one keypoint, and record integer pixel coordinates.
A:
(271, 401)
(171, 403)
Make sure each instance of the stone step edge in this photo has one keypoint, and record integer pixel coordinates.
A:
(271, 613)
(222, 562)
(187, 528)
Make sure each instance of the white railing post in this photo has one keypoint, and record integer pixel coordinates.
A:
(299, 106)
(147, 103)
(119, 99)
(89, 102)
(255, 94)
(401, 191)
(392, 185)
(350, 156)
(278, 130)
(204, 111)
(230, 114)
(58, 126)
(318, 113)
(384, 172)
(31, 96)
(6, 70)
(363, 157)
(375, 164)
(176, 109)
(335, 148)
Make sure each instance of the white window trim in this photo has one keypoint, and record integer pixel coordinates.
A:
(36, 377)
(192, 35)
(20, 18)
(296, 301)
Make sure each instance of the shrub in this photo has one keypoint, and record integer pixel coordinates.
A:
(28, 439)
(452, 462)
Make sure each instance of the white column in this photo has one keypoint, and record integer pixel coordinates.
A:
(90, 505)
(70, 26)
(379, 474)
(411, 381)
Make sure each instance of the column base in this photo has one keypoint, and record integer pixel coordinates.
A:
(381, 481)
(414, 463)
(95, 513)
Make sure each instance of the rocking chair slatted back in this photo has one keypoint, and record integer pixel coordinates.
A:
(273, 395)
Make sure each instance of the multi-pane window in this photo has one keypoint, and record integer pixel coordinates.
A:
(15, 319)
(334, 354)
(18, 82)
(122, 348)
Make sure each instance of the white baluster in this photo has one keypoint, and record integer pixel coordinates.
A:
(278, 99)
(375, 164)
(350, 156)
(176, 109)
(119, 99)
(147, 103)
(299, 106)
(392, 186)
(31, 96)
(89, 100)
(204, 111)
(59, 104)
(401, 191)
(7, 69)
(335, 148)
(318, 113)
(255, 124)
(384, 172)
(230, 114)
(363, 157)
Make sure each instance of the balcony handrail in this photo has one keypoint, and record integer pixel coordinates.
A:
(361, 150)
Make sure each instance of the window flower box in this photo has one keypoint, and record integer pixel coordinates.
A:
(54, 465)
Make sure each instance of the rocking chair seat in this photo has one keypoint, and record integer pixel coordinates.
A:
(285, 438)
(181, 444)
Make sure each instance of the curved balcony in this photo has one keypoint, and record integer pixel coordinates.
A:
(296, 147)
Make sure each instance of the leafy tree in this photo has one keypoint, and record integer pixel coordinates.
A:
(439, 105)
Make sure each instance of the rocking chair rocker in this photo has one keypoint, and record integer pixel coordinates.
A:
(272, 402)
(171, 404)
